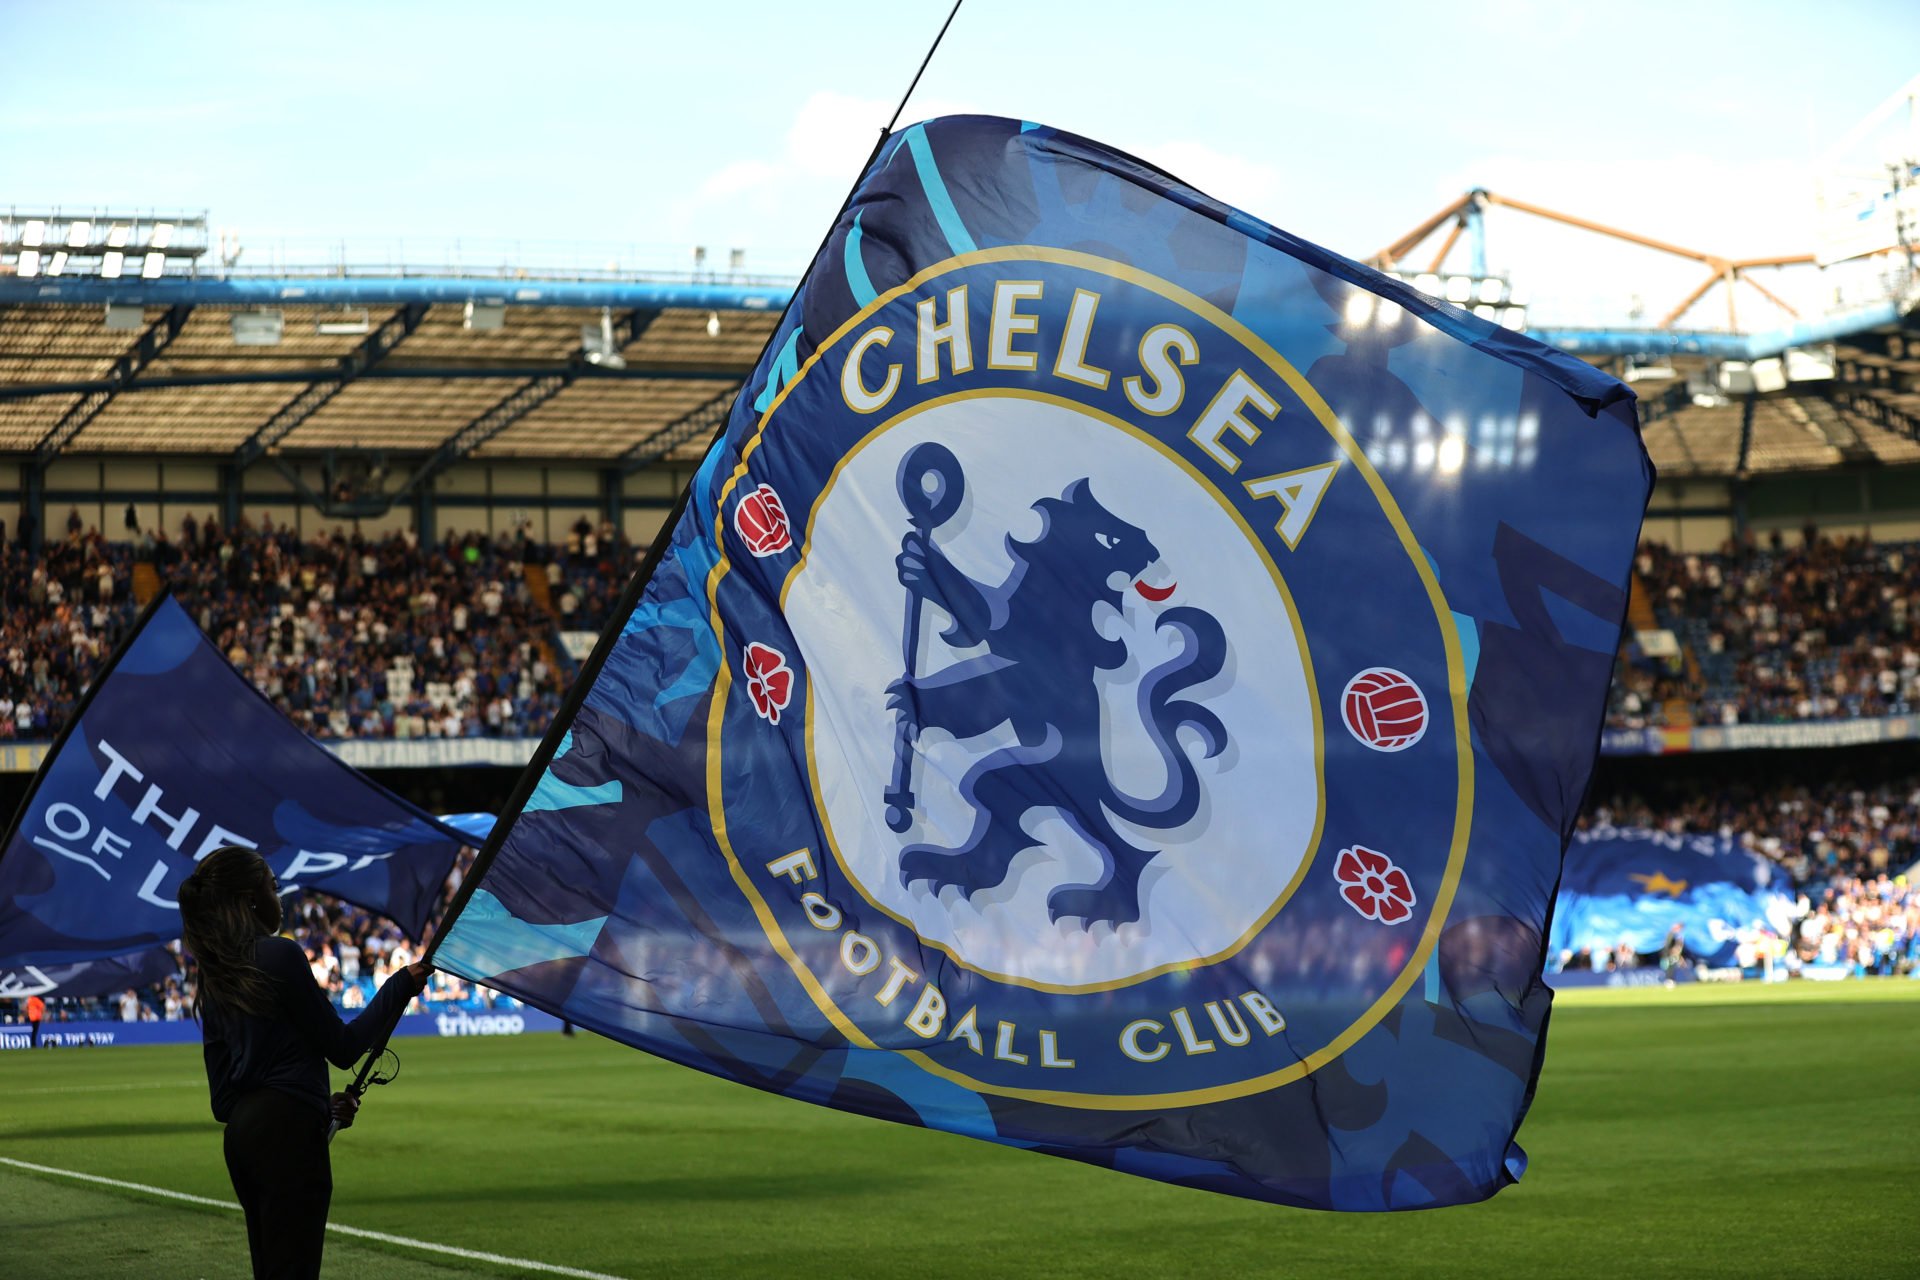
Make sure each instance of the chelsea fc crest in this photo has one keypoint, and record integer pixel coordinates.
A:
(1088, 709)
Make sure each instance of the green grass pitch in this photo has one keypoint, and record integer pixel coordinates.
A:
(1702, 1131)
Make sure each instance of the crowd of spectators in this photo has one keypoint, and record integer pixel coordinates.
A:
(60, 614)
(1772, 632)
(352, 637)
(587, 572)
(384, 638)
(1847, 851)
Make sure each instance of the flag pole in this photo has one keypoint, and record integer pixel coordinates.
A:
(630, 597)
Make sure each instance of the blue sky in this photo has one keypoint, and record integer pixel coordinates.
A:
(636, 131)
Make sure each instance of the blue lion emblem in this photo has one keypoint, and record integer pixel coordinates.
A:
(1038, 674)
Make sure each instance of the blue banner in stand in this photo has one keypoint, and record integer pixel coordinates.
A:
(1121, 686)
(1635, 886)
(174, 755)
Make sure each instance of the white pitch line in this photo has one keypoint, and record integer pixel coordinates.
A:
(476, 1255)
(107, 1088)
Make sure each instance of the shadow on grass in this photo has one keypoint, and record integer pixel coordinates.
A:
(655, 1190)
(121, 1129)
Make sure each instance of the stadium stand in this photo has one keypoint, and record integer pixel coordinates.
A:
(1865, 411)
(351, 637)
(1818, 631)
(414, 381)
(400, 497)
(1845, 847)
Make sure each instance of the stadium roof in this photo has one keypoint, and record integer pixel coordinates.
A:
(624, 372)
(251, 366)
(1698, 419)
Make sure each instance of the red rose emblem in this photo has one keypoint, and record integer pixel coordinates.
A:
(761, 522)
(769, 680)
(1373, 886)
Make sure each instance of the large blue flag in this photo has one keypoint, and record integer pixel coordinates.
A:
(1121, 685)
(172, 755)
(1633, 885)
(88, 977)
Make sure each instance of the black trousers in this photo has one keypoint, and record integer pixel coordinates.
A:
(276, 1148)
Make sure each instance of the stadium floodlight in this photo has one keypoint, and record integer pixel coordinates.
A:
(713, 324)
(1428, 283)
(736, 259)
(1514, 318)
(484, 317)
(257, 328)
(1488, 313)
(99, 244)
(1459, 288)
(1491, 289)
(344, 324)
(124, 317)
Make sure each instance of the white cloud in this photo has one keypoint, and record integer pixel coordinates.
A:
(777, 206)
(741, 175)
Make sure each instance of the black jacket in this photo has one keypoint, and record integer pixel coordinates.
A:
(289, 1049)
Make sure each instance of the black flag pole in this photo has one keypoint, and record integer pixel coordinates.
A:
(629, 599)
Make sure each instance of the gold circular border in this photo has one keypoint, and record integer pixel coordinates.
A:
(1293, 619)
(1443, 616)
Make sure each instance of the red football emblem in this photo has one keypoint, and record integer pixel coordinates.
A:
(769, 680)
(1373, 885)
(761, 522)
(1384, 709)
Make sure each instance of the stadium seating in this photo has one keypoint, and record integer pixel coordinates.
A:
(1818, 631)
(350, 637)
